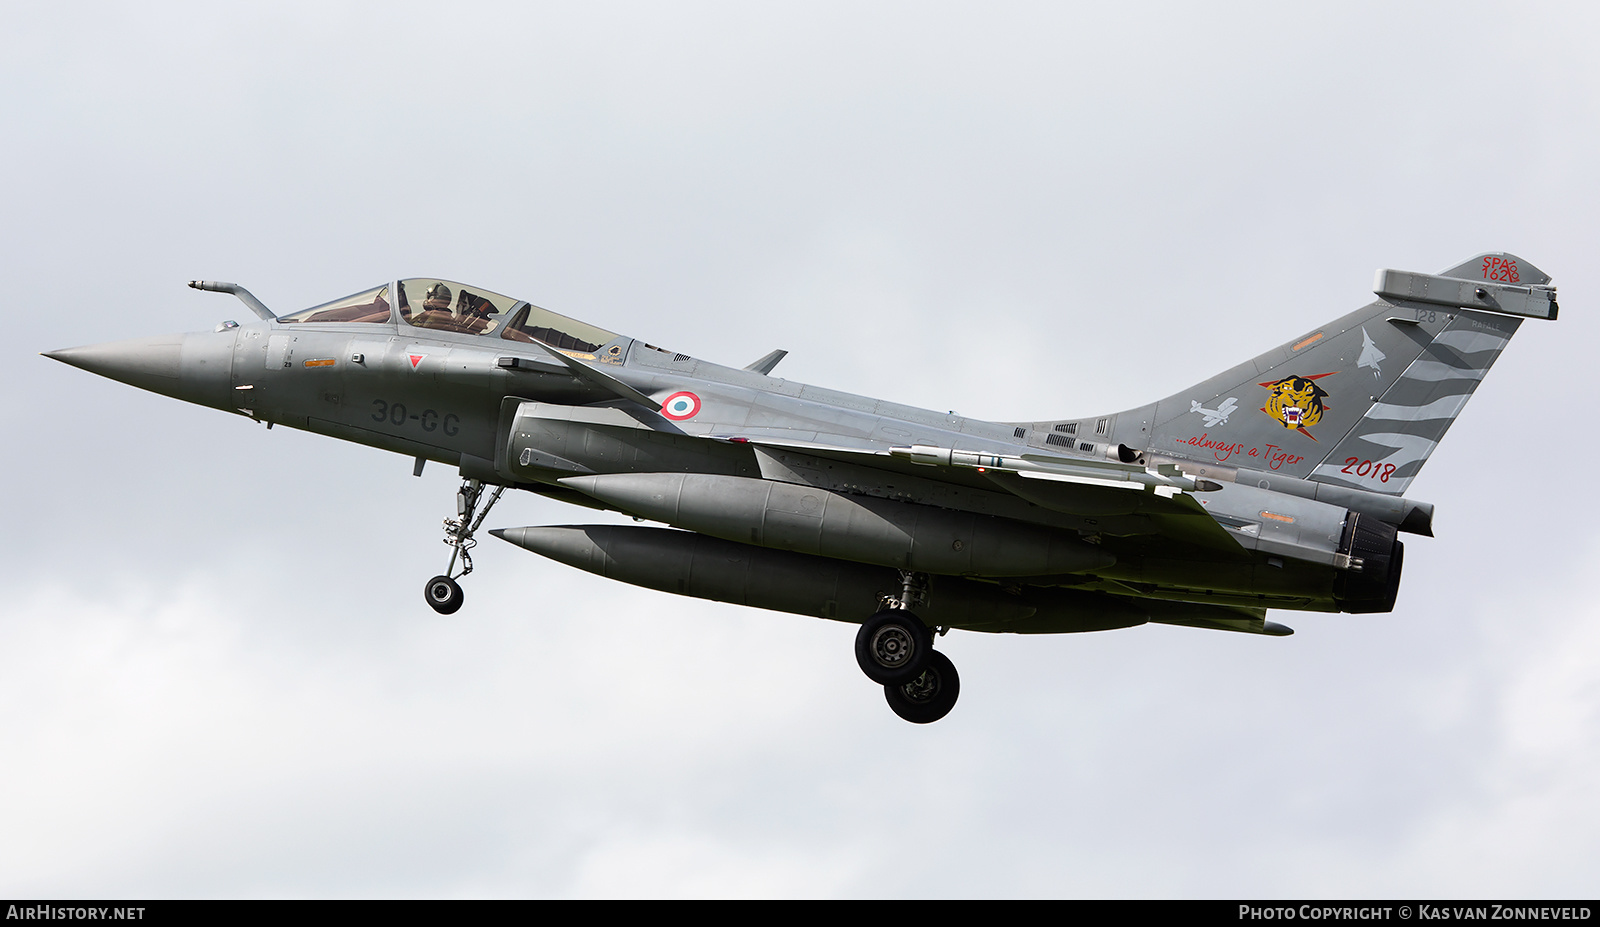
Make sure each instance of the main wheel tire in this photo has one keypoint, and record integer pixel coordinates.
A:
(893, 646)
(443, 594)
(930, 696)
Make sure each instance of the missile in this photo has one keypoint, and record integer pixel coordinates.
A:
(703, 567)
(1164, 479)
(805, 519)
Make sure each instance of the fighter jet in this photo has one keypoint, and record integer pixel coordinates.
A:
(1370, 355)
(910, 523)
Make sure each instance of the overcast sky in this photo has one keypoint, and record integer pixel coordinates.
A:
(217, 674)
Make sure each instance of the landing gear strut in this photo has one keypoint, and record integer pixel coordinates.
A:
(895, 649)
(443, 592)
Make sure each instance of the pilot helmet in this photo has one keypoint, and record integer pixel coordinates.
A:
(438, 297)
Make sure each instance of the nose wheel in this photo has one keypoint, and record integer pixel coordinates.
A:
(443, 593)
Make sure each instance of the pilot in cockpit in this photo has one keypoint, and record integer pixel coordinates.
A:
(437, 299)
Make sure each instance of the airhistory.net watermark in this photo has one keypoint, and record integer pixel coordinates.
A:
(50, 912)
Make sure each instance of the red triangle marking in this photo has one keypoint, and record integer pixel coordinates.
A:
(416, 359)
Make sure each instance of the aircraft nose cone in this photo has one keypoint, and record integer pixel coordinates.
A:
(148, 363)
(193, 367)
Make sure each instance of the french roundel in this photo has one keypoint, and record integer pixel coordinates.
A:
(680, 406)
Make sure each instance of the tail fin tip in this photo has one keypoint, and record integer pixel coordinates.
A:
(1498, 267)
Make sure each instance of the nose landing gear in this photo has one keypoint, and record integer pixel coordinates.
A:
(443, 593)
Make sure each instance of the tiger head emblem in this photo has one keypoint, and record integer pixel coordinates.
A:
(1296, 402)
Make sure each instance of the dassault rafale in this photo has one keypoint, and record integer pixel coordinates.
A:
(1278, 484)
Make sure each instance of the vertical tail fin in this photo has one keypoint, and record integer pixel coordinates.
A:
(1363, 400)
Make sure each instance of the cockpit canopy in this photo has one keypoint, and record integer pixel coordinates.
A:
(444, 305)
(366, 306)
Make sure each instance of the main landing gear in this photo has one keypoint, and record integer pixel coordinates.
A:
(443, 592)
(895, 649)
